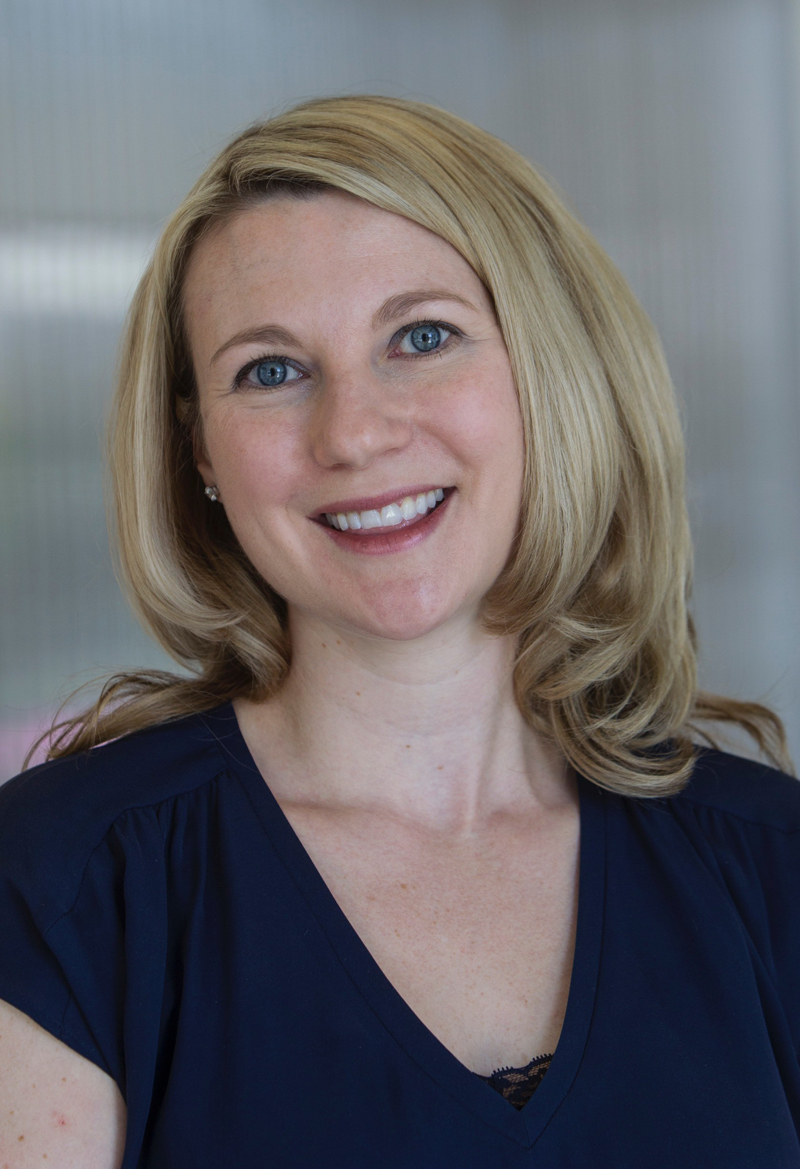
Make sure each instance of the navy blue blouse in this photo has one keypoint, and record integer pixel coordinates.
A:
(159, 915)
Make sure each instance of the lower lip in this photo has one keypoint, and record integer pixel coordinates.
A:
(380, 541)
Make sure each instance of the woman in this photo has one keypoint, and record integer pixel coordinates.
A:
(421, 865)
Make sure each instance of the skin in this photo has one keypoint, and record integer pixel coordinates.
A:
(57, 1109)
(395, 748)
(445, 829)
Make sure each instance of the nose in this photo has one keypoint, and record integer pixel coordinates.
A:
(357, 419)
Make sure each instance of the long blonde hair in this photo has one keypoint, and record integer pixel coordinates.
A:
(596, 587)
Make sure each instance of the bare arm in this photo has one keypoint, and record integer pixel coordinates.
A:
(57, 1109)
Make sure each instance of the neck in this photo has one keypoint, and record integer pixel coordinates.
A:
(427, 729)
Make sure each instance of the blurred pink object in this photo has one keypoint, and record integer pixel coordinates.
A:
(16, 737)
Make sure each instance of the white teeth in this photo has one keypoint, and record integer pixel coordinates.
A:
(408, 508)
(391, 515)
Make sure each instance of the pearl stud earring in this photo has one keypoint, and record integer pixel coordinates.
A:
(213, 492)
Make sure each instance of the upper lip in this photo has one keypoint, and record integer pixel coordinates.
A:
(373, 502)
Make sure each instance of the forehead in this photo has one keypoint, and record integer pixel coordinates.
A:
(331, 247)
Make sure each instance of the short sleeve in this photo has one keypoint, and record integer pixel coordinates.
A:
(744, 819)
(82, 928)
(760, 866)
(31, 978)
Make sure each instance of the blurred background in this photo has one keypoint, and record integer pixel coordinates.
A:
(672, 126)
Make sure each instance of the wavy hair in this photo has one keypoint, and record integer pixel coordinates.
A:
(595, 590)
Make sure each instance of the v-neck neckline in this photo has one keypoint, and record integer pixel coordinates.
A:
(523, 1126)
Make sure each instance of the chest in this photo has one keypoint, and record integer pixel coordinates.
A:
(275, 1039)
(476, 933)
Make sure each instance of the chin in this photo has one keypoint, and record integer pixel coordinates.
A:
(411, 630)
(412, 614)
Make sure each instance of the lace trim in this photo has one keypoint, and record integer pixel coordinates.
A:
(517, 1085)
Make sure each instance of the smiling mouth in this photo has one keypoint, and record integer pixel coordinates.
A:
(406, 511)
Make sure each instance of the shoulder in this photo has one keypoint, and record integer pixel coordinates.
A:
(53, 817)
(742, 820)
(742, 790)
(139, 769)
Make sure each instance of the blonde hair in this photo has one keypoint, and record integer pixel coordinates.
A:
(595, 591)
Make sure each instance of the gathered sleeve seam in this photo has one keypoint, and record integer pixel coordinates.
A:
(753, 823)
(147, 805)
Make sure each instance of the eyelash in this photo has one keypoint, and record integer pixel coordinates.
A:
(399, 336)
(251, 365)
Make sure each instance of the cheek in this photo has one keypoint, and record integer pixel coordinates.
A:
(483, 422)
(255, 458)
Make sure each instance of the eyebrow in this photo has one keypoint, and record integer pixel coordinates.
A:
(392, 308)
(403, 302)
(263, 334)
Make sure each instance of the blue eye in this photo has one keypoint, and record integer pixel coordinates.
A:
(425, 337)
(270, 373)
(267, 373)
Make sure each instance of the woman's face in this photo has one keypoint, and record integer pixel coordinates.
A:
(349, 365)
